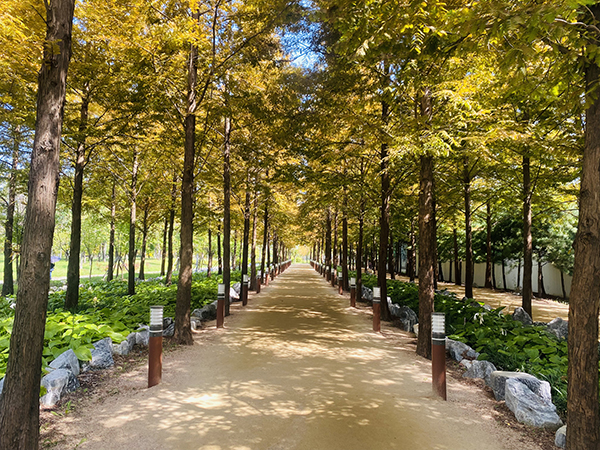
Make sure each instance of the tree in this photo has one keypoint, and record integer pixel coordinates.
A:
(19, 411)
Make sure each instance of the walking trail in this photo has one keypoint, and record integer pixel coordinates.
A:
(295, 369)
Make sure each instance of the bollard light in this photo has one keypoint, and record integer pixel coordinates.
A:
(376, 309)
(353, 292)
(438, 353)
(220, 305)
(340, 283)
(155, 346)
(353, 282)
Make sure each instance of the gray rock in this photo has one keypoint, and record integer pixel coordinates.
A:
(559, 327)
(101, 356)
(57, 383)
(131, 340)
(142, 337)
(195, 324)
(237, 287)
(408, 318)
(66, 360)
(166, 322)
(479, 369)
(416, 329)
(521, 315)
(169, 331)
(459, 350)
(121, 349)
(529, 408)
(233, 295)
(367, 294)
(560, 438)
(208, 312)
(499, 378)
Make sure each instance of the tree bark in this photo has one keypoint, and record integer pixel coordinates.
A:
(234, 254)
(384, 218)
(246, 238)
(345, 281)
(8, 283)
(163, 256)
(412, 254)
(19, 409)
(219, 251)
(527, 240)
(210, 254)
(328, 244)
(427, 244)
(468, 232)
(142, 275)
(540, 278)
(391, 256)
(265, 244)
(359, 250)
(183, 330)
(562, 285)
(488, 240)
(457, 264)
(583, 418)
(170, 255)
(253, 249)
(111, 242)
(504, 274)
(132, 222)
(72, 294)
(227, 212)
(334, 250)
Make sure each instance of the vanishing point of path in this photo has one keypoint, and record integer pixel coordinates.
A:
(295, 369)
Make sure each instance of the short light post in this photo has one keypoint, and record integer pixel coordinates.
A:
(267, 275)
(220, 305)
(155, 346)
(258, 281)
(353, 292)
(438, 353)
(340, 283)
(377, 309)
(245, 280)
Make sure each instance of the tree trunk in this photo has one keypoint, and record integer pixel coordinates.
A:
(227, 212)
(583, 418)
(527, 241)
(19, 409)
(163, 256)
(219, 254)
(328, 244)
(562, 285)
(253, 249)
(345, 281)
(265, 244)
(440, 272)
(234, 254)
(8, 284)
(468, 233)
(384, 217)
(518, 275)
(72, 294)
(427, 243)
(412, 254)
(246, 237)
(210, 254)
(142, 275)
(359, 250)
(540, 275)
(391, 256)
(488, 253)
(183, 330)
(111, 242)
(132, 221)
(170, 255)
(504, 274)
(457, 264)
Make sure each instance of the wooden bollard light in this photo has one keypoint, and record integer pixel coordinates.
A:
(353, 292)
(340, 283)
(155, 346)
(220, 305)
(438, 353)
(258, 281)
(377, 309)
(245, 281)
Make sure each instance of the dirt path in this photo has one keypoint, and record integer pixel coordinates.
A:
(296, 369)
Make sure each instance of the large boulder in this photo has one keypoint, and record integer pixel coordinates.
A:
(170, 330)
(207, 312)
(459, 350)
(167, 321)
(529, 408)
(57, 383)
(142, 336)
(66, 360)
(479, 369)
(101, 355)
(131, 340)
(560, 438)
(367, 294)
(559, 327)
(499, 378)
(233, 295)
(416, 329)
(521, 315)
(408, 318)
(121, 349)
(237, 287)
